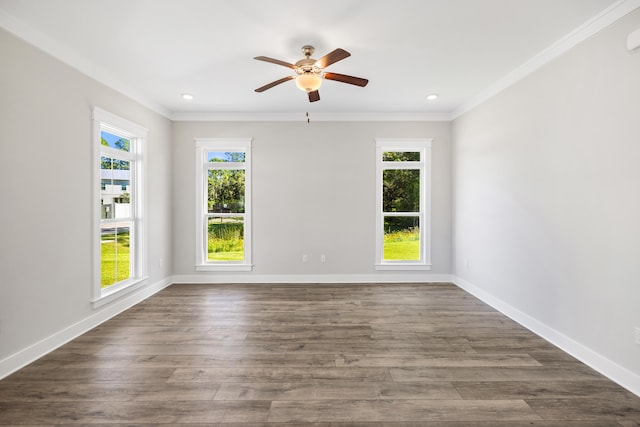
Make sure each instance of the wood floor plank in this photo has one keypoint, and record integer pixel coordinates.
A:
(438, 360)
(401, 410)
(299, 391)
(71, 374)
(62, 358)
(587, 409)
(332, 390)
(339, 355)
(256, 375)
(184, 349)
(108, 391)
(533, 374)
(552, 389)
(237, 360)
(162, 412)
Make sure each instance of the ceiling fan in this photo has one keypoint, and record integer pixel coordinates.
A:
(310, 72)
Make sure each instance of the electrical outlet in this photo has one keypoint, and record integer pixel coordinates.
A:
(323, 258)
(637, 338)
(305, 258)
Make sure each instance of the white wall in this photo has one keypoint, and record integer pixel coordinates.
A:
(45, 263)
(313, 193)
(547, 200)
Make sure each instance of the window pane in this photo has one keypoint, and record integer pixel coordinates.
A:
(225, 156)
(122, 204)
(107, 163)
(115, 141)
(105, 188)
(401, 190)
(115, 259)
(401, 238)
(225, 239)
(226, 191)
(115, 188)
(401, 156)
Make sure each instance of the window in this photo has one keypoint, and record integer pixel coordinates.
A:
(223, 188)
(403, 222)
(119, 260)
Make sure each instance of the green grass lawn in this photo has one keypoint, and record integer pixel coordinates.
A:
(226, 256)
(402, 245)
(114, 259)
(225, 241)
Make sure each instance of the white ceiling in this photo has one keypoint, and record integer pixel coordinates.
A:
(155, 50)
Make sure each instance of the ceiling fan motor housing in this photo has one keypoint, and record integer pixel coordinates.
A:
(309, 74)
(307, 65)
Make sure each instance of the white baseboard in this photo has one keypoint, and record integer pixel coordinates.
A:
(35, 351)
(313, 278)
(606, 367)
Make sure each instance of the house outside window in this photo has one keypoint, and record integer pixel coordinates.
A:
(403, 204)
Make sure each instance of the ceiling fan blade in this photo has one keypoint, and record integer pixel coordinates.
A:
(276, 83)
(332, 57)
(275, 61)
(314, 96)
(346, 79)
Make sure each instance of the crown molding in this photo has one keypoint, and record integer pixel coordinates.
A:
(315, 117)
(580, 34)
(75, 61)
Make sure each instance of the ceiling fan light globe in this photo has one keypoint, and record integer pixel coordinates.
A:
(308, 82)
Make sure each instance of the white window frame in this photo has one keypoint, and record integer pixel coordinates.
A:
(422, 145)
(137, 135)
(204, 145)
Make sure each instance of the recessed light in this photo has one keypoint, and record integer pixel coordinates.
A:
(432, 96)
(187, 96)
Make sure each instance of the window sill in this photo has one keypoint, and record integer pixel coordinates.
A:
(402, 266)
(224, 267)
(116, 291)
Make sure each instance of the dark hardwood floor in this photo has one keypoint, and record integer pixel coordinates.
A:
(352, 355)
